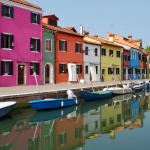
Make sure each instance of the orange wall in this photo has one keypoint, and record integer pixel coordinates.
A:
(70, 56)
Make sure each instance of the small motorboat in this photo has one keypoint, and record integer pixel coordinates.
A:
(136, 86)
(119, 90)
(53, 103)
(6, 107)
(98, 95)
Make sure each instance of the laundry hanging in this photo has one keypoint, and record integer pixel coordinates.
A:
(93, 72)
(72, 72)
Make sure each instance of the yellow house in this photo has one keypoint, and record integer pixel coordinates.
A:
(111, 60)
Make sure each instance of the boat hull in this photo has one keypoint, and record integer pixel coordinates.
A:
(6, 107)
(95, 95)
(52, 103)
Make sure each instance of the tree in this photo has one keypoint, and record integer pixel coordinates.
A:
(147, 48)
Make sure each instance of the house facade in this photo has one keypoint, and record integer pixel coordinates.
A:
(21, 38)
(68, 51)
(91, 57)
(48, 67)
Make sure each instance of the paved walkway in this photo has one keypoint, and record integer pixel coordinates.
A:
(25, 90)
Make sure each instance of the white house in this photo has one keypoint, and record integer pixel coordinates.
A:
(91, 58)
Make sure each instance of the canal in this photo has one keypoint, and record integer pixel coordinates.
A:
(118, 123)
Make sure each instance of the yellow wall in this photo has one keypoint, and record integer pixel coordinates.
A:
(112, 62)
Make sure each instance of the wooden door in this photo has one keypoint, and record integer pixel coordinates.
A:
(47, 74)
(21, 74)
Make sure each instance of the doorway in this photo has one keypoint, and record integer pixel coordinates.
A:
(47, 74)
(21, 72)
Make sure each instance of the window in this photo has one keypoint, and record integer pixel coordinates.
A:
(47, 141)
(7, 41)
(86, 70)
(35, 18)
(79, 69)
(118, 54)
(128, 58)
(34, 67)
(111, 120)
(33, 143)
(35, 45)
(96, 68)
(62, 138)
(48, 45)
(77, 133)
(109, 70)
(86, 128)
(62, 68)
(103, 51)
(96, 124)
(78, 48)
(139, 56)
(118, 117)
(103, 122)
(117, 70)
(6, 67)
(7, 11)
(111, 53)
(63, 45)
(86, 50)
(6, 147)
(96, 52)
(124, 71)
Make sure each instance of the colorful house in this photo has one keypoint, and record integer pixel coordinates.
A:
(21, 38)
(91, 59)
(48, 68)
(111, 62)
(68, 51)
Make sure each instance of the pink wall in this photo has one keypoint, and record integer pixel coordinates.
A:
(22, 29)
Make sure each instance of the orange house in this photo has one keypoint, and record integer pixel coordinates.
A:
(68, 51)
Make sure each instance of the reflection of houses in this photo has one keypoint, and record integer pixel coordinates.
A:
(91, 60)
(68, 132)
(91, 123)
(111, 116)
(68, 51)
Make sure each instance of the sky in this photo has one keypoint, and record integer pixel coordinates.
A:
(122, 17)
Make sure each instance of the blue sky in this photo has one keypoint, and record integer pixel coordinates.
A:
(122, 17)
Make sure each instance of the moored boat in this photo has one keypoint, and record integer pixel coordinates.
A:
(98, 95)
(6, 107)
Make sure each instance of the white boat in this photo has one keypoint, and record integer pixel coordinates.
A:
(119, 90)
(5, 107)
(136, 86)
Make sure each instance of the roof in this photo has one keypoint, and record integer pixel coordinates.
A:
(59, 29)
(91, 41)
(104, 41)
(24, 2)
(70, 29)
(51, 16)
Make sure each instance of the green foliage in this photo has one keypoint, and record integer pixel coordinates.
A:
(147, 48)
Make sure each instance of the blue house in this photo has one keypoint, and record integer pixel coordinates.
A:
(134, 64)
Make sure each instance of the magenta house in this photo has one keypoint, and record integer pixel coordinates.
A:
(20, 43)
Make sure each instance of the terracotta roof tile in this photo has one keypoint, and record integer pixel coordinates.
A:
(59, 29)
(23, 2)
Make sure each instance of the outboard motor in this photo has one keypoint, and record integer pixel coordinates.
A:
(71, 95)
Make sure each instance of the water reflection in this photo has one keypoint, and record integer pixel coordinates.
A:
(72, 127)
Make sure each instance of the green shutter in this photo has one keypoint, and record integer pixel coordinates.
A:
(2, 68)
(11, 12)
(32, 17)
(31, 44)
(129, 71)
(65, 45)
(128, 58)
(37, 68)
(12, 41)
(3, 10)
(2, 40)
(38, 19)
(31, 69)
(11, 68)
(38, 45)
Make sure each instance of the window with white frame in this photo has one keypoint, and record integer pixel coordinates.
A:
(62, 45)
(7, 41)
(35, 44)
(62, 137)
(96, 52)
(77, 133)
(48, 45)
(111, 53)
(6, 67)
(62, 68)
(35, 18)
(86, 50)
(118, 54)
(86, 70)
(103, 51)
(34, 67)
(78, 47)
(7, 11)
(78, 69)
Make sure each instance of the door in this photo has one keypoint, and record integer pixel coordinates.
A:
(21, 74)
(47, 74)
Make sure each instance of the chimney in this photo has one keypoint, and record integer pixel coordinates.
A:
(130, 37)
(96, 36)
(81, 29)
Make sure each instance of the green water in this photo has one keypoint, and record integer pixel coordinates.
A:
(118, 123)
